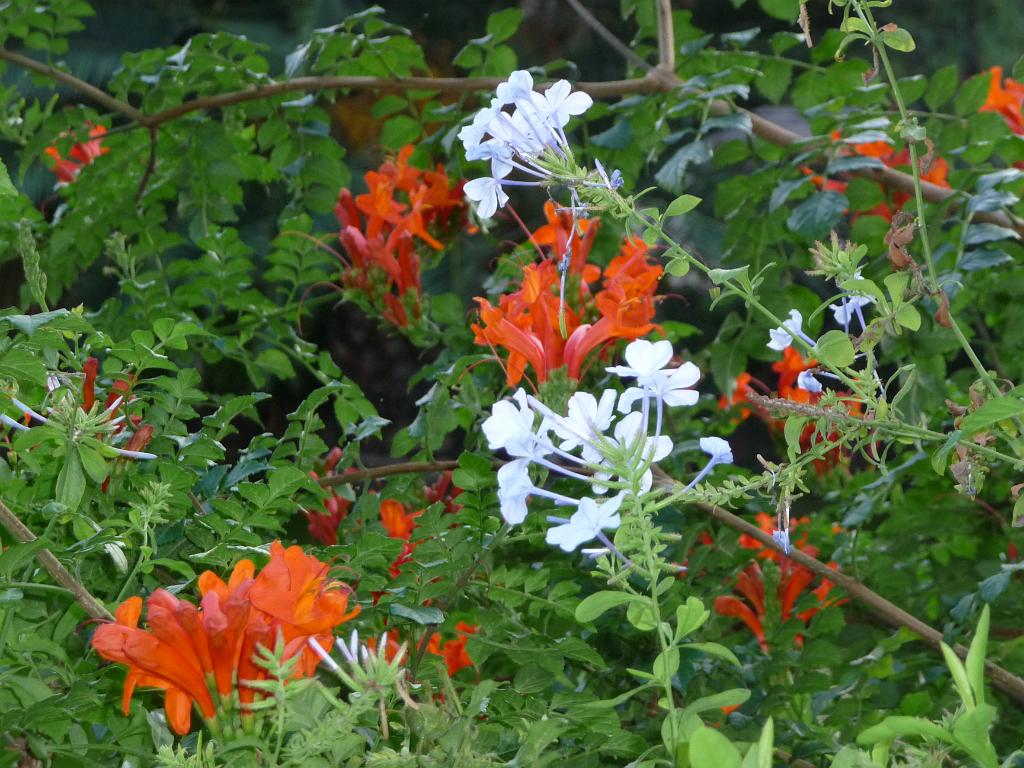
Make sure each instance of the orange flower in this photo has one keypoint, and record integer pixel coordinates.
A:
(789, 368)
(323, 526)
(453, 651)
(81, 154)
(396, 520)
(526, 322)
(752, 610)
(204, 656)
(379, 233)
(937, 173)
(1005, 99)
(740, 394)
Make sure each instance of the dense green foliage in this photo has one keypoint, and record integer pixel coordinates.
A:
(197, 262)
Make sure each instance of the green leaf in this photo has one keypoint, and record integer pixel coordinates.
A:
(93, 463)
(897, 726)
(972, 95)
(835, 349)
(22, 366)
(975, 663)
(594, 606)
(666, 663)
(959, 673)
(399, 131)
(786, 10)
(6, 187)
(682, 204)
(715, 649)
(670, 176)
(503, 24)
(992, 412)
(908, 317)
(941, 456)
(641, 616)
(29, 324)
(730, 698)
(942, 87)
(819, 214)
(971, 729)
(421, 614)
(690, 616)
(710, 749)
(766, 744)
(898, 40)
(71, 480)
(793, 430)
(721, 276)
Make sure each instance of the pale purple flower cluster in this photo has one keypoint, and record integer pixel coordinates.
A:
(601, 441)
(524, 139)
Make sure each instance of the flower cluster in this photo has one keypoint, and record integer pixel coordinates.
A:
(935, 171)
(794, 579)
(536, 328)
(81, 154)
(112, 432)
(530, 139)
(204, 656)
(379, 233)
(1006, 97)
(593, 445)
(323, 525)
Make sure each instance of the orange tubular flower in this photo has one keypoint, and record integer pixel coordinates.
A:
(204, 656)
(379, 232)
(1006, 98)
(81, 154)
(526, 323)
(751, 610)
(453, 651)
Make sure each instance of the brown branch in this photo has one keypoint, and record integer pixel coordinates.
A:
(656, 80)
(666, 37)
(606, 34)
(53, 566)
(888, 612)
(89, 91)
(375, 473)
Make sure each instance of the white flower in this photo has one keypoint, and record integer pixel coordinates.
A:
(782, 337)
(514, 487)
(560, 104)
(647, 362)
(519, 86)
(720, 452)
(488, 195)
(645, 359)
(805, 380)
(471, 135)
(718, 449)
(781, 537)
(497, 152)
(586, 523)
(586, 422)
(511, 428)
